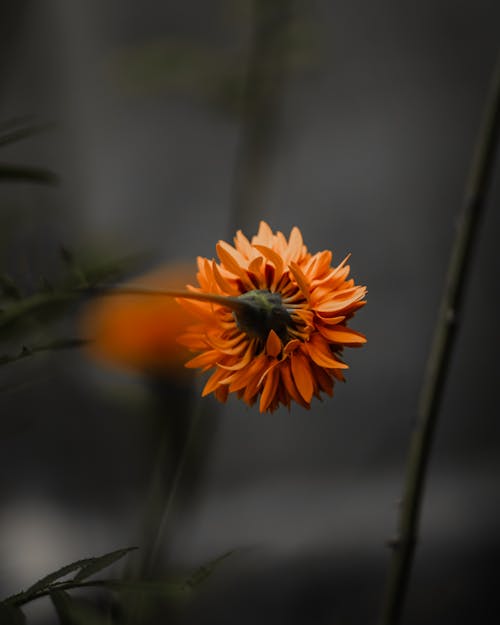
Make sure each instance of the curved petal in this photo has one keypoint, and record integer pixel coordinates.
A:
(302, 375)
(273, 344)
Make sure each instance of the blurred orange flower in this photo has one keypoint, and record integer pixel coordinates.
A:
(140, 332)
(281, 335)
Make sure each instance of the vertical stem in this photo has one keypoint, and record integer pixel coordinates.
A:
(263, 95)
(439, 356)
(172, 428)
(160, 522)
(171, 433)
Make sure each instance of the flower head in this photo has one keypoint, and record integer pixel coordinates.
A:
(280, 332)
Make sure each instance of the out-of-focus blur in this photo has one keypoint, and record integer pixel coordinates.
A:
(140, 332)
(373, 111)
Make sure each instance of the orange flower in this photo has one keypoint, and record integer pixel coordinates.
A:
(281, 334)
(140, 332)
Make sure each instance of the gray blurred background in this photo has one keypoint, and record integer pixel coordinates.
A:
(368, 148)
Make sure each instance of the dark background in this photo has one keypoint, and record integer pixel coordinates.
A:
(368, 153)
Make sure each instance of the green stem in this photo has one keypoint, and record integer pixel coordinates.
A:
(224, 300)
(263, 97)
(439, 357)
(157, 541)
(30, 350)
(41, 302)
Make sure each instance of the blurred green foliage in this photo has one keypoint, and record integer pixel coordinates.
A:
(14, 130)
(213, 73)
(71, 611)
(25, 317)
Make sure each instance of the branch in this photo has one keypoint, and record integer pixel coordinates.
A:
(440, 354)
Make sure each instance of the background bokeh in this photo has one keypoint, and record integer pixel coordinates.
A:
(368, 151)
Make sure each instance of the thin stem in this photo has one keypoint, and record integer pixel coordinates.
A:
(263, 96)
(224, 300)
(46, 347)
(439, 356)
(179, 469)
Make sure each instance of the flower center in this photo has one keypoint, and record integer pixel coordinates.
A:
(263, 312)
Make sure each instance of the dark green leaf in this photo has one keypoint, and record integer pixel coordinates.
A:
(14, 135)
(49, 579)
(16, 317)
(12, 122)
(91, 565)
(11, 615)
(201, 574)
(94, 565)
(63, 606)
(20, 173)
(165, 590)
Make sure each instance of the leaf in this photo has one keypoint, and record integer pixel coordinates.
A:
(49, 579)
(89, 565)
(12, 136)
(12, 122)
(20, 173)
(202, 573)
(94, 565)
(16, 316)
(165, 590)
(71, 289)
(11, 615)
(63, 606)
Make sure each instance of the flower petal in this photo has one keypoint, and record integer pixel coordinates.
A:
(342, 335)
(222, 283)
(269, 390)
(274, 258)
(213, 382)
(320, 353)
(205, 359)
(302, 375)
(274, 367)
(264, 235)
(233, 261)
(289, 384)
(273, 344)
(300, 278)
(295, 245)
